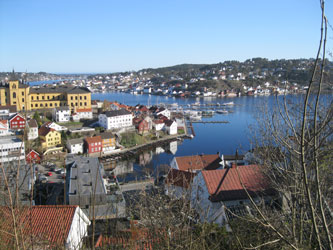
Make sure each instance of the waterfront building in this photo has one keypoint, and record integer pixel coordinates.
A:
(171, 127)
(11, 149)
(25, 97)
(49, 137)
(17, 122)
(32, 129)
(215, 190)
(158, 125)
(75, 146)
(115, 119)
(195, 163)
(108, 142)
(93, 144)
(61, 114)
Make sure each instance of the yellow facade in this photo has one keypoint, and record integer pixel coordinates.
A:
(26, 98)
(51, 139)
(109, 142)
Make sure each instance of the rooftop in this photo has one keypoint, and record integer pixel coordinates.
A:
(226, 184)
(198, 162)
(61, 89)
(49, 224)
(117, 113)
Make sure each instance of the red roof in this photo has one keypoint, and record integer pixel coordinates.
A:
(94, 139)
(198, 162)
(47, 225)
(83, 110)
(225, 184)
(179, 178)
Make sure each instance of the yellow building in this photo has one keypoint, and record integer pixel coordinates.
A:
(49, 137)
(34, 98)
(108, 142)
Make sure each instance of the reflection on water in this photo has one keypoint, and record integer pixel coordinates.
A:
(141, 166)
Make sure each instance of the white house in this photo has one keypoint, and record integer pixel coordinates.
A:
(75, 146)
(177, 184)
(171, 127)
(61, 114)
(7, 111)
(215, 190)
(32, 129)
(4, 128)
(149, 121)
(11, 149)
(163, 111)
(158, 125)
(52, 226)
(115, 119)
(84, 113)
(55, 126)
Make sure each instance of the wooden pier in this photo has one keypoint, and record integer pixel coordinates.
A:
(204, 122)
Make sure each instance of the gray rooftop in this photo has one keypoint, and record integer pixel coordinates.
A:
(85, 181)
(117, 113)
(75, 141)
(62, 108)
(25, 183)
(62, 89)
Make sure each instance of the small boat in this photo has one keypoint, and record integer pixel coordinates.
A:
(228, 104)
(222, 111)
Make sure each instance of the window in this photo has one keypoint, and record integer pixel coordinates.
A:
(22, 93)
(80, 103)
(85, 97)
(51, 104)
(36, 105)
(80, 97)
(75, 97)
(43, 97)
(71, 97)
(48, 97)
(32, 105)
(14, 95)
(45, 104)
(37, 97)
(32, 98)
(22, 99)
(85, 104)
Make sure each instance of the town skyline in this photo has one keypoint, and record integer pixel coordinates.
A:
(115, 37)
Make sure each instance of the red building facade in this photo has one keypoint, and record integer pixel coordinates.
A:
(17, 122)
(93, 144)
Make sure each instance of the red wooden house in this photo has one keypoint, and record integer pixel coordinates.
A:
(32, 157)
(143, 127)
(16, 122)
(93, 144)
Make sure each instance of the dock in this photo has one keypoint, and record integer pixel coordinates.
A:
(204, 122)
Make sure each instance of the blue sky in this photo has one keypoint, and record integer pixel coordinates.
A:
(108, 35)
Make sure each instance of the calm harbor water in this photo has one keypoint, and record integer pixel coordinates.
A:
(209, 139)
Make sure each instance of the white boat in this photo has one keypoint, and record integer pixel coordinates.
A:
(228, 104)
(196, 104)
(222, 111)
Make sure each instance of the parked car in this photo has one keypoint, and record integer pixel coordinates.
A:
(49, 174)
(43, 178)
